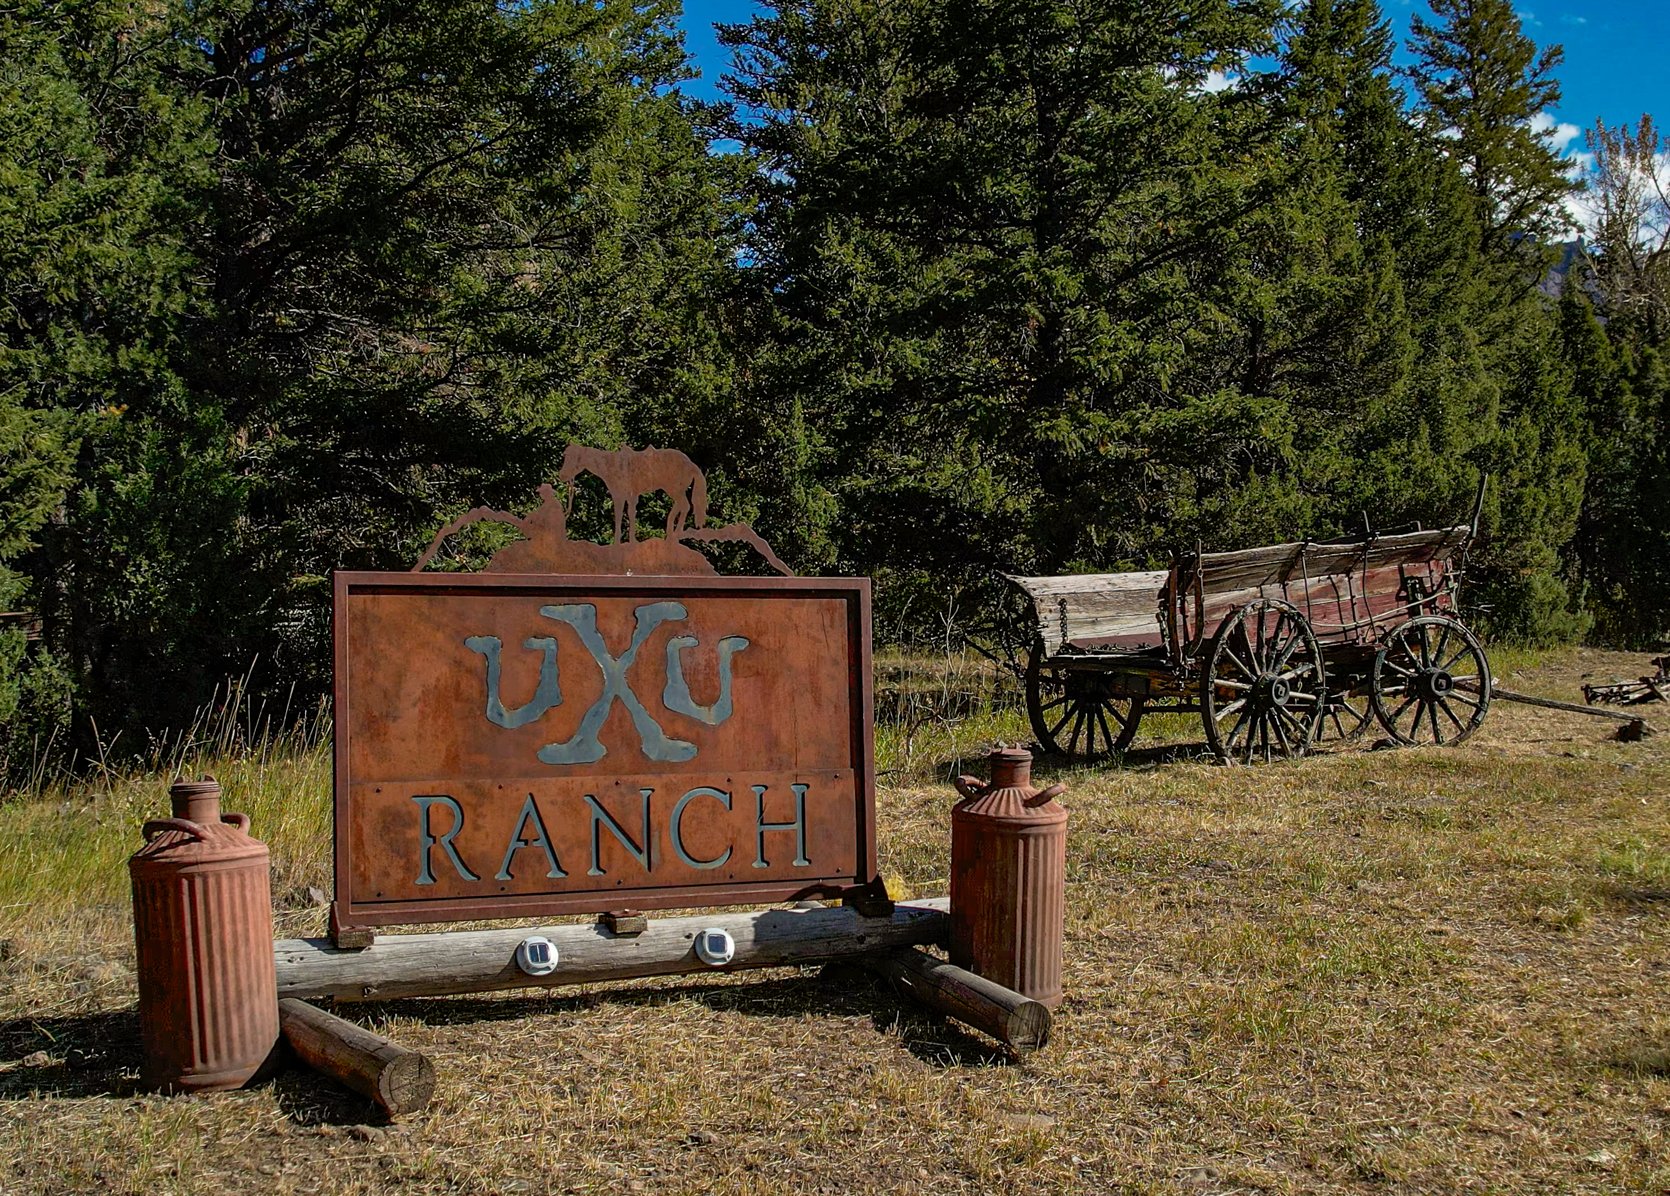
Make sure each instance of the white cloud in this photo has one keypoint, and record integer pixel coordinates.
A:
(1219, 81)
(1558, 134)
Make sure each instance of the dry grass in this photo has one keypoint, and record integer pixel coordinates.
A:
(1410, 971)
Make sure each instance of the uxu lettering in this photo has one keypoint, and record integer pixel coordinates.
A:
(584, 747)
(529, 848)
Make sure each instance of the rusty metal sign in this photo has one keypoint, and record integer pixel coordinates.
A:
(532, 744)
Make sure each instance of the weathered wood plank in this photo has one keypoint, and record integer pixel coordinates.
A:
(1113, 609)
(1507, 695)
(465, 961)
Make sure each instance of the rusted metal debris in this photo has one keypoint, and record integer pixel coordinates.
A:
(1652, 688)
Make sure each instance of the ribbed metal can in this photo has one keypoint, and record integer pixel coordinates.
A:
(202, 922)
(1009, 878)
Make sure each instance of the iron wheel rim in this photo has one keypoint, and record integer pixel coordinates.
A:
(1070, 720)
(1431, 683)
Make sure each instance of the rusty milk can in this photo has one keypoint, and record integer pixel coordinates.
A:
(202, 921)
(1009, 877)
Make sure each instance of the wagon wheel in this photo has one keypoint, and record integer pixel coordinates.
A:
(1263, 688)
(1431, 682)
(1073, 712)
(1346, 714)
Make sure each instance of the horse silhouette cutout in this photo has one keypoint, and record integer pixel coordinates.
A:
(632, 473)
(628, 474)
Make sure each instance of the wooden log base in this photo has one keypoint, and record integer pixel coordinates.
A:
(398, 1080)
(1020, 1022)
(470, 961)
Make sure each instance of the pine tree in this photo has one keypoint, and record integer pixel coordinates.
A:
(417, 248)
(95, 161)
(1483, 94)
(980, 232)
(1482, 87)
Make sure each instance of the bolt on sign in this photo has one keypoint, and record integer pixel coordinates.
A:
(565, 734)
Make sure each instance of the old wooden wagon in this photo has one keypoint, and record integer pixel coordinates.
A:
(1276, 648)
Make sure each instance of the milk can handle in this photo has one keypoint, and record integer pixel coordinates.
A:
(970, 786)
(1044, 795)
(156, 826)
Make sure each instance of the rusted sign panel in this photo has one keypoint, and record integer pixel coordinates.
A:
(513, 745)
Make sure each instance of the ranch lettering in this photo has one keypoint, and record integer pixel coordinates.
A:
(529, 832)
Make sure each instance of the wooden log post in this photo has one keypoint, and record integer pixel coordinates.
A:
(399, 1080)
(469, 961)
(1022, 1023)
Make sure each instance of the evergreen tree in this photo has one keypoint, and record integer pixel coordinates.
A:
(1483, 94)
(1482, 86)
(419, 247)
(98, 161)
(982, 233)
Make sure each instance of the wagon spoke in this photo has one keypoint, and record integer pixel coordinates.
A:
(1412, 735)
(1226, 683)
(1438, 649)
(1230, 709)
(1450, 663)
(1301, 732)
(1078, 729)
(1102, 721)
(1293, 641)
(1432, 714)
(1450, 714)
(1247, 670)
(1281, 733)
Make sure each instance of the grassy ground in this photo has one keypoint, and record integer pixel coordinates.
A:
(1401, 971)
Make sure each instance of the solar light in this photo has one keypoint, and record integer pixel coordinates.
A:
(536, 956)
(715, 947)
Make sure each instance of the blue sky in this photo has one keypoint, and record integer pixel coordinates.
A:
(1617, 54)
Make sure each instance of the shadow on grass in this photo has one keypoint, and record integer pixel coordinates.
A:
(1640, 896)
(98, 1055)
(95, 1054)
(838, 991)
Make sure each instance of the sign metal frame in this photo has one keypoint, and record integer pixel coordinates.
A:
(349, 913)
